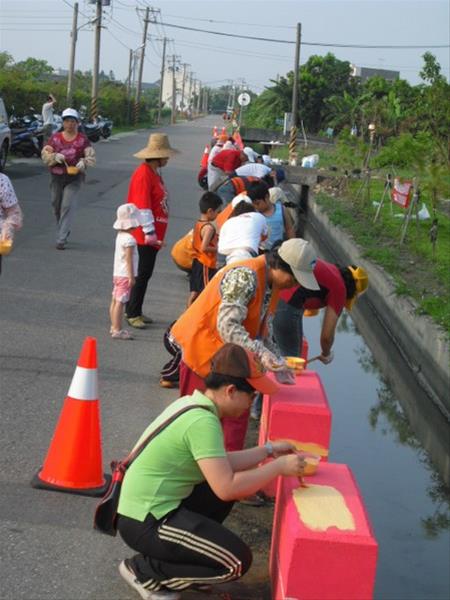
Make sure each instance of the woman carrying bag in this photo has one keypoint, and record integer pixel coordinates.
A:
(182, 486)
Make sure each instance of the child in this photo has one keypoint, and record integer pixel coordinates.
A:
(204, 244)
(125, 267)
(278, 219)
(241, 235)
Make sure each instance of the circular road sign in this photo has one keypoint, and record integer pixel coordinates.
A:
(244, 99)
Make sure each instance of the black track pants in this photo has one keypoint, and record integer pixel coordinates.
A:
(190, 545)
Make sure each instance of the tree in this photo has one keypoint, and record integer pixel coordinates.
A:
(35, 68)
(320, 78)
(431, 70)
(6, 60)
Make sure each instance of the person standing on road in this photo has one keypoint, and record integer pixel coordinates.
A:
(47, 117)
(148, 192)
(68, 153)
(176, 494)
(10, 213)
(125, 267)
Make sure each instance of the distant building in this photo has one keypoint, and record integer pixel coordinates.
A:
(366, 72)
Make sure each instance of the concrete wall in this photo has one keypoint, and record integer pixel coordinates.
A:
(420, 341)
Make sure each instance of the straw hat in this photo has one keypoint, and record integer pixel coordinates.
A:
(157, 147)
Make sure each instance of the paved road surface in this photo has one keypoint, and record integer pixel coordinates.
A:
(51, 300)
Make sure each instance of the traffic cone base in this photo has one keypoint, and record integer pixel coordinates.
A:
(37, 483)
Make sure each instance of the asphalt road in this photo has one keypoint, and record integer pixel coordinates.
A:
(50, 301)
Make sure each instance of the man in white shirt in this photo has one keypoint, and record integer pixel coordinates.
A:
(240, 236)
(47, 116)
(254, 170)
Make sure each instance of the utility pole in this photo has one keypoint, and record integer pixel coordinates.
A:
(72, 54)
(191, 80)
(161, 82)
(183, 85)
(174, 90)
(130, 75)
(198, 91)
(137, 98)
(294, 129)
(98, 28)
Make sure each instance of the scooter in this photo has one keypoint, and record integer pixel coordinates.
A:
(27, 136)
(105, 126)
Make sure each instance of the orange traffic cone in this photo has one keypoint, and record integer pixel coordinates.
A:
(224, 131)
(215, 132)
(74, 458)
(204, 161)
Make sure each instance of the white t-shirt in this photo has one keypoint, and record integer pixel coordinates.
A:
(124, 240)
(243, 231)
(253, 170)
(47, 113)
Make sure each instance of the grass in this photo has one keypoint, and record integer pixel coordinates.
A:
(415, 271)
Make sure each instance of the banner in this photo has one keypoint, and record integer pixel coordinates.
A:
(402, 192)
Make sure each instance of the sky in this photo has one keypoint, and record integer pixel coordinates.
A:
(41, 29)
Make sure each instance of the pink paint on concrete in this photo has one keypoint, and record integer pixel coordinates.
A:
(327, 565)
(297, 412)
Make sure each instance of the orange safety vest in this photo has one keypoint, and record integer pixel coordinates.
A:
(196, 329)
(224, 215)
(209, 259)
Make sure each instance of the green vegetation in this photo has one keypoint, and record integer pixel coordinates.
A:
(27, 84)
(409, 138)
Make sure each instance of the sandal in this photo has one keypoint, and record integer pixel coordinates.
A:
(123, 334)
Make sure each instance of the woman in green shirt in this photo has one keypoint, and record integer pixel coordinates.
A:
(182, 486)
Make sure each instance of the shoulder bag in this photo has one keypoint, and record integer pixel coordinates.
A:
(105, 517)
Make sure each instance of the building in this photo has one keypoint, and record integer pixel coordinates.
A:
(366, 73)
(191, 88)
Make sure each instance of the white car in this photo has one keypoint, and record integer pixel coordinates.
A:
(5, 135)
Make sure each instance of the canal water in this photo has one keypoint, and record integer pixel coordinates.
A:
(397, 444)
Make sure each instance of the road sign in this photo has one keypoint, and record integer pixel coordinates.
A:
(244, 99)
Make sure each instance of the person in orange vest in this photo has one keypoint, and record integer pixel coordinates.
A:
(237, 306)
(204, 244)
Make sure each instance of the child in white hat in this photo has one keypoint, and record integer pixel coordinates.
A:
(125, 267)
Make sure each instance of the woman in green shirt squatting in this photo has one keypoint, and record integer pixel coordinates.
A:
(182, 486)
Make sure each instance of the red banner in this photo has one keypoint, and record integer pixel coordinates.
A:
(402, 192)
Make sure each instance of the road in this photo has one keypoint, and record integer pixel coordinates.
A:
(50, 301)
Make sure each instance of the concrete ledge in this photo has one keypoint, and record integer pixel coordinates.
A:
(421, 342)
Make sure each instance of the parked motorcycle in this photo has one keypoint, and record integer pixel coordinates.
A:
(27, 134)
(105, 125)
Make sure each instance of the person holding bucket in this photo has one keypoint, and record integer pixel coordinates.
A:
(178, 491)
(337, 288)
(67, 153)
(148, 192)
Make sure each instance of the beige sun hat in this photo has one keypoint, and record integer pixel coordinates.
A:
(157, 147)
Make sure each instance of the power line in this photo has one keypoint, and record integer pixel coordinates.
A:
(232, 22)
(333, 45)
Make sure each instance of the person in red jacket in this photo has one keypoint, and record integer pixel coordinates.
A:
(224, 165)
(148, 193)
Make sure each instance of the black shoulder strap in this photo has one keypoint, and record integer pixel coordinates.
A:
(135, 453)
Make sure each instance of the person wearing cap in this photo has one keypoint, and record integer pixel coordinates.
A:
(148, 192)
(125, 267)
(332, 287)
(278, 219)
(178, 491)
(237, 306)
(67, 153)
